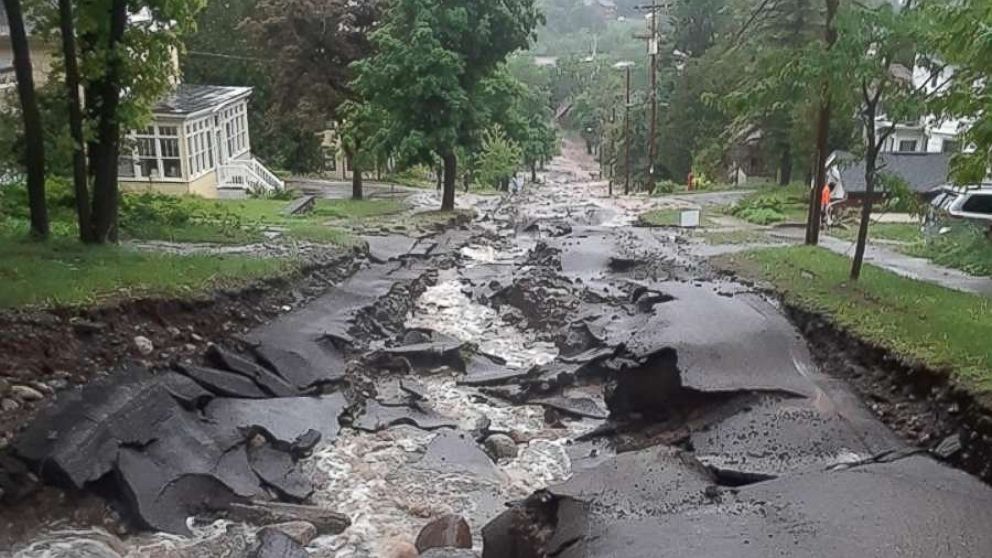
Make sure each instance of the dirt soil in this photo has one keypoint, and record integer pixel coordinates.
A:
(921, 404)
(56, 349)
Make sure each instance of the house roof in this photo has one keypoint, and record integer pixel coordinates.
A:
(188, 99)
(921, 171)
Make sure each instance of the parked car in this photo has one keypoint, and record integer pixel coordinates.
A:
(949, 203)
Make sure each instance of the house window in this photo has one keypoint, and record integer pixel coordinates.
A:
(907, 146)
(199, 147)
(157, 150)
(236, 128)
(950, 146)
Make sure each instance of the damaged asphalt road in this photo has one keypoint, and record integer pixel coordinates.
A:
(561, 383)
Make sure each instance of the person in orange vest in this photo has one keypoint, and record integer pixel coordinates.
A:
(825, 196)
(691, 180)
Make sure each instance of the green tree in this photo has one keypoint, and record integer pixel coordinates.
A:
(430, 57)
(308, 47)
(34, 158)
(959, 34)
(497, 159)
(870, 51)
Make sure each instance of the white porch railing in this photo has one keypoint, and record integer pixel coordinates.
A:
(249, 175)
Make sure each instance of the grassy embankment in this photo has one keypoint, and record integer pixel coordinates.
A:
(941, 328)
(63, 272)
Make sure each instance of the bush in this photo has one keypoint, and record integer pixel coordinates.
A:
(965, 247)
(666, 187)
(762, 210)
(147, 215)
(58, 193)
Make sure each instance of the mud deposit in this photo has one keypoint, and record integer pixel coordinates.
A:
(547, 381)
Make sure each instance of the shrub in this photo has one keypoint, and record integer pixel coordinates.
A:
(141, 214)
(666, 187)
(762, 210)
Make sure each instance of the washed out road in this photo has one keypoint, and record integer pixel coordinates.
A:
(569, 384)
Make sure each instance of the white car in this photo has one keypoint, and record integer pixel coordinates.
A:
(972, 204)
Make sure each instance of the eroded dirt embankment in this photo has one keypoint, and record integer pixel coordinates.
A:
(48, 351)
(922, 404)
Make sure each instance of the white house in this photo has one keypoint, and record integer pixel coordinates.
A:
(928, 133)
(197, 143)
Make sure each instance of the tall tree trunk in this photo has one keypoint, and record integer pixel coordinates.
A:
(822, 133)
(440, 176)
(533, 172)
(785, 166)
(72, 83)
(34, 142)
(873, 147)
(357, 191)
(105, 149)
(450, 174)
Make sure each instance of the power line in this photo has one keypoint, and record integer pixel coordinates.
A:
(227, 56)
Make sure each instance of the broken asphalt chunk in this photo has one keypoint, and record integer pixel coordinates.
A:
(456, 452)
(276, 544)
(281, 420)
(580, 407)
(296, 369)
(441, 351)
(266, 379)
(278, 470)
(76, 441)
(378, 417)
(486, 370)
(224, 383)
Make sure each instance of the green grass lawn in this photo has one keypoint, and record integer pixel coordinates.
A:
(937, 326)
(63, 272)
(900, 232)
(243, 221)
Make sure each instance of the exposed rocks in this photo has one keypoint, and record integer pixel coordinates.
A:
(501, 446)
(449, 531)
(144, 345)
(8, 405)
(26, 393)
(327, 522)
(948, 447)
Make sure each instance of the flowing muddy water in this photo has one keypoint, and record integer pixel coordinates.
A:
(368, 476)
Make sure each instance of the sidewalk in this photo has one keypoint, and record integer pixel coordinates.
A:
(900, 264)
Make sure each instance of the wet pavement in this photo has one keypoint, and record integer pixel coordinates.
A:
(566, 383)
(888, 258)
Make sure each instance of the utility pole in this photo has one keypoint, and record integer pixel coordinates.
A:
(626, 137)
(822, 133)
(653, 49)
